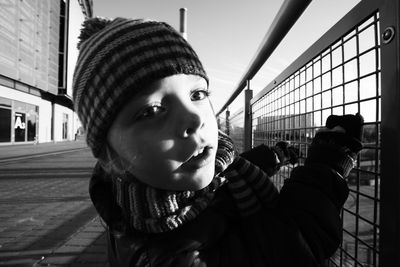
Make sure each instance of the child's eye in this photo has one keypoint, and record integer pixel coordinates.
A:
(199, 95)
(150, 111)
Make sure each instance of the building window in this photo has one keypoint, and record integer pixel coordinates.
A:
(5, 119)
(20, 118)
(5, 125)
(19, 127)
(31, 119)
(65, 126)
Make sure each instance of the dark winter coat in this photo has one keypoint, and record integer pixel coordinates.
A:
(300, 226)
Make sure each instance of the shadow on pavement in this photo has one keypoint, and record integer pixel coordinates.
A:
(78, 239)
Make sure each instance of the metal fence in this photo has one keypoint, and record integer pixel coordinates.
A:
(344, 72)
(235, 128)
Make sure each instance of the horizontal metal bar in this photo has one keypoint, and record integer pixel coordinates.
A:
(237, 112)
(361, 11)
(286, 17)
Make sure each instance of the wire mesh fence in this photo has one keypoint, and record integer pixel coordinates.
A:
(343, 79)
(353, 67)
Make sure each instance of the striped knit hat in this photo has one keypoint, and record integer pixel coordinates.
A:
(119, 57)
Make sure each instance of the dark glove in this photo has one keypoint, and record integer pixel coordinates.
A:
(270, 159)
(338, 144)
(286, 153)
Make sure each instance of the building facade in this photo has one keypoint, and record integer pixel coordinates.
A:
(35, 99)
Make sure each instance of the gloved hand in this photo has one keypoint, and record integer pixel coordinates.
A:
(338, 143)
(286, 153)
(271, 159)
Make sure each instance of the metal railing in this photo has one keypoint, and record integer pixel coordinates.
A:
(287, 16)
(354, 67)
(236, 129)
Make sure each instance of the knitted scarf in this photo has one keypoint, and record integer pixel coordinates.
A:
(153, 210)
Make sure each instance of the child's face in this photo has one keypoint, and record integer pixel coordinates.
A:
(168, 137)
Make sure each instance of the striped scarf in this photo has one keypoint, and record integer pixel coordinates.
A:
(152, 210)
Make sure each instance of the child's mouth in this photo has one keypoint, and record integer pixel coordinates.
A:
(199, 159)
(198, 154)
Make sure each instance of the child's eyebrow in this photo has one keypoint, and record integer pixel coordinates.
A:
(200, 80)
(145, 90)
(149, 89)
(142, 93)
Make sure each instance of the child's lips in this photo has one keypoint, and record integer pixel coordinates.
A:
(200, 160)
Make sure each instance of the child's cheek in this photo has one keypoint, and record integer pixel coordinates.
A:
(154, 150)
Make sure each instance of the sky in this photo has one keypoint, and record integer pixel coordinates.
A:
(227, 33)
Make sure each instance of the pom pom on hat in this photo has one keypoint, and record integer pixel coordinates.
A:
(117, 59)
(90, 27)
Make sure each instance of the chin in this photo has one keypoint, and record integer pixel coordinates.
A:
(203, 182)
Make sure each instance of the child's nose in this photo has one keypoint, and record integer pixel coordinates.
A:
(191, 122)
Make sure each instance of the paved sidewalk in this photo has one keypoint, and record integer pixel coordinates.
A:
(47, 218)
(22, 150)
(87, 247)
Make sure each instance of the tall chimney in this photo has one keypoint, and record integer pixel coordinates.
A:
(183, 24)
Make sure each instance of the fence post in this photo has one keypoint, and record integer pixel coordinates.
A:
(389, 239)
(248, 95)
(227, 124)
